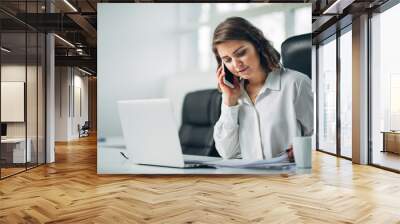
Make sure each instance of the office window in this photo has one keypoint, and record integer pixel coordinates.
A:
(385, 85)
(204, 39)
(302, 18)
(187, 45)
(394, 102)
(22, 95)
(346, 93)
(13, 86)
(327, 95)
(198, 21)
(229, 7)
(41, 96)
(272, 25)
(190, 14)
(31, 100)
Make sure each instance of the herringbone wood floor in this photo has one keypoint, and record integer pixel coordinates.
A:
(70, 191)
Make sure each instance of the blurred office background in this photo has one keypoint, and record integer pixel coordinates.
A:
(164, 50)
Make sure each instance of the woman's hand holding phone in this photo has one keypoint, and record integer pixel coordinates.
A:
(232, 94)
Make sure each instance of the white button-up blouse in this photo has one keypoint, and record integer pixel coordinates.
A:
(283, 109)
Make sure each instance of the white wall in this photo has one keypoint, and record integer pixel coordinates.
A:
(82, 82)
(61, 103)
(79, 117)
(15, 72)
(66, 119)
(33, 126)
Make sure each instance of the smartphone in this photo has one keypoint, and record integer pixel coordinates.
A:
(228, 78)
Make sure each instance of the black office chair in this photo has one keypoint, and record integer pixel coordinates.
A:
(296, 53)
(201, 110)
(84, 130)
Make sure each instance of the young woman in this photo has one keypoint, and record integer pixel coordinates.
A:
(268, 106)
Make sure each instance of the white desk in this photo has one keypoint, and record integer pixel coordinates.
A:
(19, 149)
(110, 161)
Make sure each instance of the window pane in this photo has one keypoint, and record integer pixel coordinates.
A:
(385, 89)
(229, 7)
(327, 96)
(31, 100)
(303, 20)
(224, 8)
(272, 25)
(13, 87)
(41, 98)
(204, 47)
(190, 14)
(187, 48)
(345, 94)
(394, 101)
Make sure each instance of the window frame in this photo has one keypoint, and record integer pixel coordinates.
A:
(333, 37)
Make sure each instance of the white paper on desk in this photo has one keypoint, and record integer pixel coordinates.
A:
(280, 161)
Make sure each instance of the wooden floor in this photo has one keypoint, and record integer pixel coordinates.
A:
(10, 171)
(70, 191)
(387, 159)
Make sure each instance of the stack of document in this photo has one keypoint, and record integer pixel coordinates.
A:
(280, 162)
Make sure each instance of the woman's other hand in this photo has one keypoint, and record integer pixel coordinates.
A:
(232, 94)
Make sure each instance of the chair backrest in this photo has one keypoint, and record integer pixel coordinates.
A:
(86, 125)
(201, 110)
(296, 53)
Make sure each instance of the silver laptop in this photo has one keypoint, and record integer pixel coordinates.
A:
(151, 134)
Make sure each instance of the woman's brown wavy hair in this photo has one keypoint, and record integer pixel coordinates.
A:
(237, 28)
